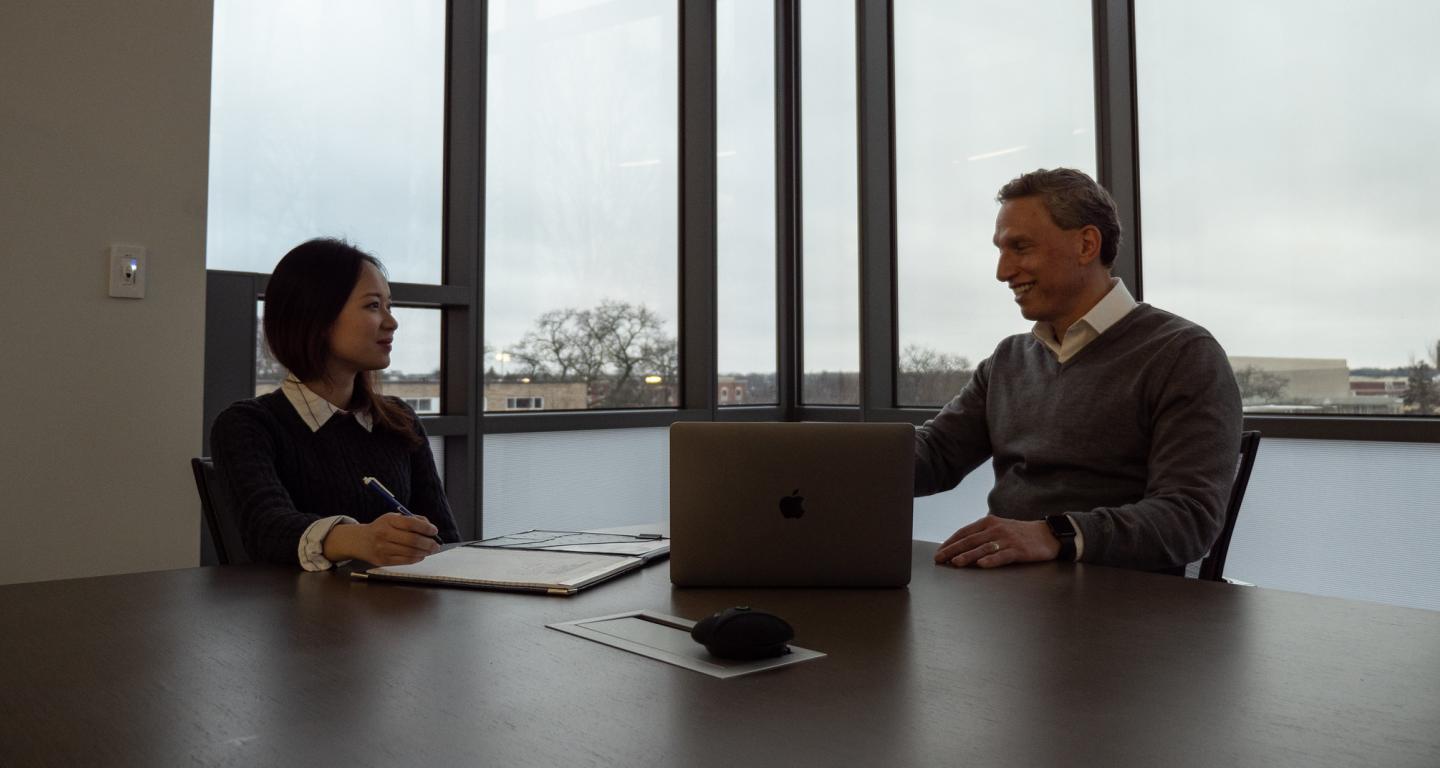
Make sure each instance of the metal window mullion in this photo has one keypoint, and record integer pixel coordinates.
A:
(788, 297)
(230, 330)
(463, 329)
(697, 205)
(875, 105)
(574, 421)
(1116, 128)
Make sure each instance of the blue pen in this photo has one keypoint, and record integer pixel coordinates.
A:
(389, 499)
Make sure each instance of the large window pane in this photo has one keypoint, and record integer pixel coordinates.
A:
(1289, 173)
(745, 219)
(573, 481)
(327, 118)
(984, 91)
(581, 206)
(830, 191)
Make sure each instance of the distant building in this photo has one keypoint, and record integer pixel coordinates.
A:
(1308, 380)
(1321, 385)
(535, 396)
(731, 390)
(423, 394)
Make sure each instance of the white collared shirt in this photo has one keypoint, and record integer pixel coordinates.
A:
(315, 411)
(1117, 304)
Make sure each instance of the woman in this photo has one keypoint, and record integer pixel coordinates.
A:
(294, 459)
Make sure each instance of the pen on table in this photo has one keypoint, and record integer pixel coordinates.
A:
(389, 499)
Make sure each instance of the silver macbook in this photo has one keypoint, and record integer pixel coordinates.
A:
(791, 504)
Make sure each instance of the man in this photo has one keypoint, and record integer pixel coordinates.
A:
(1114, 427)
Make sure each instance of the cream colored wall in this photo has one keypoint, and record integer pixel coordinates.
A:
(104, 123)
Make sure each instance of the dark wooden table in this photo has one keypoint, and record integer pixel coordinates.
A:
(1036, 665)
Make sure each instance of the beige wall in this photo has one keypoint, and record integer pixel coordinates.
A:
(104, 123)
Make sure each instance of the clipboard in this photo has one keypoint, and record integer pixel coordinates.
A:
(553, 573)
(549, 562)
(646, 546)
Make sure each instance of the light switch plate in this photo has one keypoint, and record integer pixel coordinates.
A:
(127, 271)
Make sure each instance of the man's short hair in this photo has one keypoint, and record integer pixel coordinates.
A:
(1074, 200)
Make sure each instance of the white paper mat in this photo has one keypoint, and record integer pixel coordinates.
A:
(667, 638)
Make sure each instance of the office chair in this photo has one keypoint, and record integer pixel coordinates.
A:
(1212, 568)
(219, 510)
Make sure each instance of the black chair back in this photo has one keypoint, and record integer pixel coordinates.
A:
(1212, 568)
(220, 515)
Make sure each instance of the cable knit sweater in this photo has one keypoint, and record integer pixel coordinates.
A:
(283, 476)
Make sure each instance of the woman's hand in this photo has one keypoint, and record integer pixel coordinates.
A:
(393, 539)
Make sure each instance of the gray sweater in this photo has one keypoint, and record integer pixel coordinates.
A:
(1136, 437)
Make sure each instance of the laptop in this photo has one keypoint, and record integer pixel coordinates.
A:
(791, 504)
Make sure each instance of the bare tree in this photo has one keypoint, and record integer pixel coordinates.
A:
(555, 348)
(1260, 386)
(930, 377)
(612, 347)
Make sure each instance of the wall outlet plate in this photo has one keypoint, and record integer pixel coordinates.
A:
(127, 271)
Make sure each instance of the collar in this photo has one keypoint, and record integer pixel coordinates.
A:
(1116, 304)
(1111, 309)
(315, 410)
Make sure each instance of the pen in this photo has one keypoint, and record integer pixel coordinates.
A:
(389, 499)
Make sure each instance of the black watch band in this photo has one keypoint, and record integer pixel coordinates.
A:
(1064, 531)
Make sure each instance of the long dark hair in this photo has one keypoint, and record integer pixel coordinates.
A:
(303, 297)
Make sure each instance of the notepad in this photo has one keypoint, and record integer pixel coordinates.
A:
(556, 573)
(646, 546)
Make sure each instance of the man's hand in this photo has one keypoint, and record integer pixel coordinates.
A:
(393, 539)
(993, 541)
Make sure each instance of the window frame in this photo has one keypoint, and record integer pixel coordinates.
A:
(696, 253)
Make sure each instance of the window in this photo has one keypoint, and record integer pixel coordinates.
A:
(745, 185)
(524, 403)
(830, 192)
(327, 119)
(581, 204)
(1288, 172)
(572, 481)
(983, 93)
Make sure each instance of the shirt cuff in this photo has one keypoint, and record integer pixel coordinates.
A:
(1079, 538)
(312, 543)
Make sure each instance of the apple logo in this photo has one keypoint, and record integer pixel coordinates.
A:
(792, 505)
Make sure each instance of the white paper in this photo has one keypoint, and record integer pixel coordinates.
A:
(509, 567)
(667, 638)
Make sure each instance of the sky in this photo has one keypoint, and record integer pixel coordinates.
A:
(1287, 162)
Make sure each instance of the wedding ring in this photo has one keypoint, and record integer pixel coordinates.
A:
(994, 547)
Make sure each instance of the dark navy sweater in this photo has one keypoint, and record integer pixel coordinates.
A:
(283, 477)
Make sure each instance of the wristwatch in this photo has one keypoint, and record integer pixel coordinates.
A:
(1064, 530)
